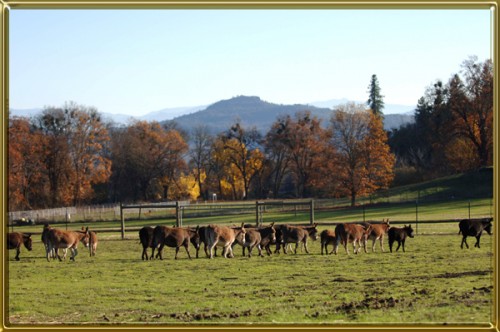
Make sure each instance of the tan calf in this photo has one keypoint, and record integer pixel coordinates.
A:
(378, 232)
(59, 239)
(356, 234)
(223, 236)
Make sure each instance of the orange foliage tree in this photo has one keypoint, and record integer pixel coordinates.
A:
(364, 162)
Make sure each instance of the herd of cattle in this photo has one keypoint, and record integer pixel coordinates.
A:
(248, 236)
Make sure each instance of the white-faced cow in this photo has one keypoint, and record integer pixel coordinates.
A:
(60, 239)
(399, 235)
(297, 235)
(174, 237)
(327, 237)
(378, 232)
(351, 233)
(474, 228)
(16, 239)
(223, 236)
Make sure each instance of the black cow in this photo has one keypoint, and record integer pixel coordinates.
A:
(474, 228)
(399, 234)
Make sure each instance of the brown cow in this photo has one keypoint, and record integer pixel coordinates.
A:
(175, 238)
(297, 235)
(224, 236)
(16, 239)
(357, 234)
(378, 232)
(60, 239)
(327, 237)
(258, 237)
(92, 242)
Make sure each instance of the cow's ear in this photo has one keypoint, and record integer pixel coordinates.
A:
(242, 225)
(315, 224)
(272, 224)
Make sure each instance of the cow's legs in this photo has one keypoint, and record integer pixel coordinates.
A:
(187, 250)
(403, 241)
(464, 240)
(382, 243)
(305, 246)
(18, 251)
(373, 244)
(390, 244)
(477, 241)
(399, 245)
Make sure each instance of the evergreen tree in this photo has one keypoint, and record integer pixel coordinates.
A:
(375, 99)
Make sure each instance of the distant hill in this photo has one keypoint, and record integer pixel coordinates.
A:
(253, 111)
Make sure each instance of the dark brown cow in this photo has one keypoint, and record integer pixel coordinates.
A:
(357, 234)
(175, 238)
(223, 236)
(399, 235)
(378, 232)
(146, 238)
(297, 235)
(60, 239)
(474, 228)
(327, 237)
(16, 239)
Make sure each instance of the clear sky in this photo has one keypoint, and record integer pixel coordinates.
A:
(138, 61)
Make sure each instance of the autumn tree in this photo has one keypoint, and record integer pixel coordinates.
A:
(148, 160)
(74, 154)
(200, 154)
(305, 142)
(243, 153)
(28, 184)
(363, 157)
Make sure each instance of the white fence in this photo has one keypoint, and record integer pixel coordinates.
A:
(72, 213)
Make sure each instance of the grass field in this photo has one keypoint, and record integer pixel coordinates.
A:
(434, 282)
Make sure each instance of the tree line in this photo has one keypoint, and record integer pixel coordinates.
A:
(453, 128)
(69, 156)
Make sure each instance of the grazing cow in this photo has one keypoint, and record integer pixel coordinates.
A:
(59, 239)
(16, 239)
(146, 238)
(92, 242)
(399, 234)
(297, 235)
(224, 236)
(175, 238)
(258, 237)
(474, 228)
(378, 232)
(357, 234)
(327, 237)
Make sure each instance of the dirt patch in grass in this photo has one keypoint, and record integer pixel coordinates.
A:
(463, 274)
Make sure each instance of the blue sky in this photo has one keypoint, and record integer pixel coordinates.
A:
(135, 62)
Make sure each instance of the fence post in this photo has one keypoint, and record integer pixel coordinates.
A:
(416, 216)
(364, 213)
(122, 218)
(178, 221)
(257, 221)
(311, 212)
(469, 209)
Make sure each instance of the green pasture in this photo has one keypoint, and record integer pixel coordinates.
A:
(433, 282)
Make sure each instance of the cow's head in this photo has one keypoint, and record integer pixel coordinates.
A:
(313, 232)
(86, 237)
(487, 225)
(240, 235)
(409, 231)
(195, 237)
(27, 241)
